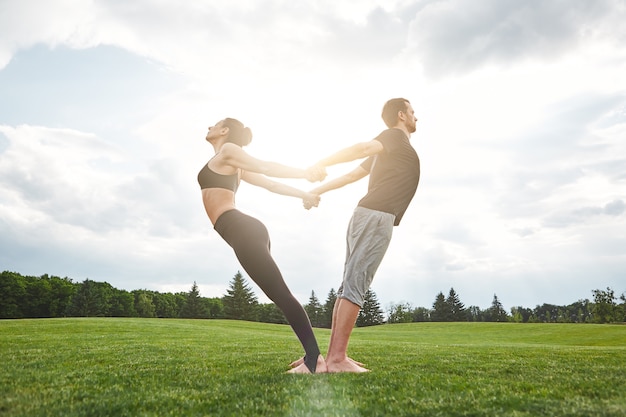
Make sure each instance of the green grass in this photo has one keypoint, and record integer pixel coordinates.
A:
(158, 367)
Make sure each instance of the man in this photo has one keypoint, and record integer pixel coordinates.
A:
(394, 170)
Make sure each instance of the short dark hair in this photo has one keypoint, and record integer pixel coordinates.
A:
(237, 133)
(391, 110)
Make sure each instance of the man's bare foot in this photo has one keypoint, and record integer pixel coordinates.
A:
(300, 361)
(357, 363)
(301, 368)
(346, 365)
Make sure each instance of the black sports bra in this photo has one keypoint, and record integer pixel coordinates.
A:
(207, 178)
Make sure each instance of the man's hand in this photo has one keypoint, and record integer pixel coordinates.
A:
(315, 173)
(311, 200)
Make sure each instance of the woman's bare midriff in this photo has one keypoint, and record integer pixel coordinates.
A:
(217, 201)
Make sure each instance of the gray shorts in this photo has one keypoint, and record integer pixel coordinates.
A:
(367, 240)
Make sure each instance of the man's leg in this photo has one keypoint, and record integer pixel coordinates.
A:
(345, 314)
(367, 239)
(333, 324)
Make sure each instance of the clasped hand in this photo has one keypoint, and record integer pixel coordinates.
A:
(311, 200)
(315, 173)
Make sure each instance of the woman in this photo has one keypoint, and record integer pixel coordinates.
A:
(219, 180)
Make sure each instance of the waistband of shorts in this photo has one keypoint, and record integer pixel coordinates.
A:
(373, 211)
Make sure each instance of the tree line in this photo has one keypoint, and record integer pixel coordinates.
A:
(606, 307)
(51, 296)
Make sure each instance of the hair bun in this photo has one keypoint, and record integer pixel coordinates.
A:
(238, 133)
(247, 135)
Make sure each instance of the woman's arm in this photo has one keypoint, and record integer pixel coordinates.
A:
(236, 157)
(279, 188)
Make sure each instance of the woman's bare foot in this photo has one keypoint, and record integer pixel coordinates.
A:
(297, 362)
(299, 367)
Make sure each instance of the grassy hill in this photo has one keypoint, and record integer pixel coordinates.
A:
(160, 367)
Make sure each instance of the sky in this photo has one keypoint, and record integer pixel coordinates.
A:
(521, 132)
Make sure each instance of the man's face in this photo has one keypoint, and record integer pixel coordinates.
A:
(410, 119)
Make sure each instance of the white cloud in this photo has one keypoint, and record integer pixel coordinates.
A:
(453, 38)
(521, 109)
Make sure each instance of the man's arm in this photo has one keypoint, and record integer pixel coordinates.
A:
(356, 151)
(352, 176)
(279, 188)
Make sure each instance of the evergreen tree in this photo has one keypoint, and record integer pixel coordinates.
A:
(371, 313)
(496, 311)
(441, 309)
(194, 307)
(314, 310)
(240, 302)
(327, 309)
(456, 307)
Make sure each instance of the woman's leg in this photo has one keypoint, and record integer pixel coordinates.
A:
(250, 240)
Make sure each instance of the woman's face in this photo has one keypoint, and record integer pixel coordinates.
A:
(214, 131)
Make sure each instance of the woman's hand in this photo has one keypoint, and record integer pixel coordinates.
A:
(311, 200)
(315, 173)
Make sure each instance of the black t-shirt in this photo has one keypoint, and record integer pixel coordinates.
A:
(394, 175)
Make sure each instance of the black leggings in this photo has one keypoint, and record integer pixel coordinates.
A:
(251, 242)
